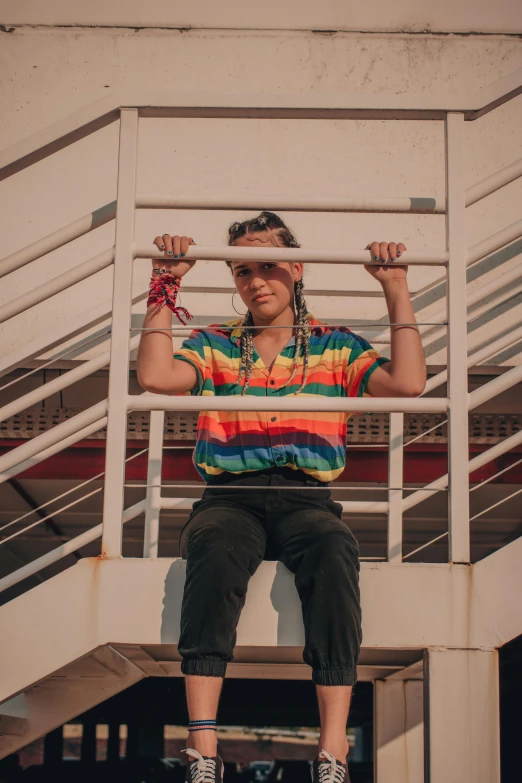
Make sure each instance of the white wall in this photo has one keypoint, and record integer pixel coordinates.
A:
(500, 16)
(47, 73)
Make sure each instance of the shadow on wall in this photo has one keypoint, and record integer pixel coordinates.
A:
(285, 601)
(283, 596)
(171, 614)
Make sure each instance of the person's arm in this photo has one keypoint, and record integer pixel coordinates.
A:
(157, 370)
(405, 375)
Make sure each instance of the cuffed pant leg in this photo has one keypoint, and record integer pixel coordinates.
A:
(324, 556)
(224, 545)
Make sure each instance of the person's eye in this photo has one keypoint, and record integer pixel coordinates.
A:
(269, 265)
(241, 273)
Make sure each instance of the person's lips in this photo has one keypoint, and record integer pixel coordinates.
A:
(260, 298)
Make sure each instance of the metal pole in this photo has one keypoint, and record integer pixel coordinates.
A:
(459, 545)
(168, 402)
(153, 498)
(395, 479)
(120, 341)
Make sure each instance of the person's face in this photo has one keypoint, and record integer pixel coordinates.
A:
(266, 287)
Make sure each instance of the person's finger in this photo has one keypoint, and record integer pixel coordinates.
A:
(373, 247)
(392, 250)
(159, 243)
(184, 245)
(167, 239)
(176, 242)
(383, 252)
(401, 248)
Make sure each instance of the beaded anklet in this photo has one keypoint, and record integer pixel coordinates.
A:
(202, 725)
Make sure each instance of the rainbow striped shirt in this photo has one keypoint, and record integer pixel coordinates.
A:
(340, 365)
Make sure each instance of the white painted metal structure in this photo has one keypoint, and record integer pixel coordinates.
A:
(461, 613)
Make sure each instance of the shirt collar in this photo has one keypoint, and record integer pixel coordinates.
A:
(235, 334)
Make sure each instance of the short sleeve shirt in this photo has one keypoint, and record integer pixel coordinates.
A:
(340, 365)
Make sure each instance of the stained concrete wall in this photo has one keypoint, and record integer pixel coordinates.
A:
(50, 71)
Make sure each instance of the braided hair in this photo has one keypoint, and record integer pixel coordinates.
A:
(269, 221)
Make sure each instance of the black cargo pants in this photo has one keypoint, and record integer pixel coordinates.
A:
(288, 517)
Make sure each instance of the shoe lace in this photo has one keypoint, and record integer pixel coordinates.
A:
(330, 771)
(202, 770)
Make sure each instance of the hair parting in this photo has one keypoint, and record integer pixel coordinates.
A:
(269, 221)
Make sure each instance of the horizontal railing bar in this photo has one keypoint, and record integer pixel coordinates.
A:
(228, 290)
(51, 437)
(414, 204)
(312, 489)
(477, 462)
(67, 548)
(338, 323)
(478, 356)
(349, 506)
(57, 384)
(159, 402)
(494, 182)
(57, 284)
(99, 217)
(306, 255)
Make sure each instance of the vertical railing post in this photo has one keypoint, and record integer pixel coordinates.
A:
(120, 336)
(153, 497)
(458, 511)
(395, 479)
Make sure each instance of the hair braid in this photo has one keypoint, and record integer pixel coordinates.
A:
(247, 353)
(269, 221)
(302, 337)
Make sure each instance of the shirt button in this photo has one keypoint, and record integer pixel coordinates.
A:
(274, 418)
(272, 382)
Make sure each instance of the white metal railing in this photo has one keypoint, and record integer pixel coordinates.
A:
(113, 412)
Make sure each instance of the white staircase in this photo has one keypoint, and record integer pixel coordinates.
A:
(431, 631)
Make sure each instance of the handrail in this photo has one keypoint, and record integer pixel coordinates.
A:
(57, 284)
(103, 215)
(479, 356)
(91, 416)
(99, 217)
(57, 384)
(281, 107)
(420, 205)
(67, 548)
(474, 464)
(494, 182)
(164, 402)
(47, 341)
(477, 252)
(207, 104)
(306, 255)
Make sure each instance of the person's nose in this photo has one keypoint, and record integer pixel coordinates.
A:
(256, 282)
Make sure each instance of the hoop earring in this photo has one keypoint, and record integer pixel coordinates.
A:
(233, 305)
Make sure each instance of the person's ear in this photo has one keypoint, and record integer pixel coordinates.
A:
(297, 271)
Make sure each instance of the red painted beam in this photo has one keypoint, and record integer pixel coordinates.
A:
(422, 463)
